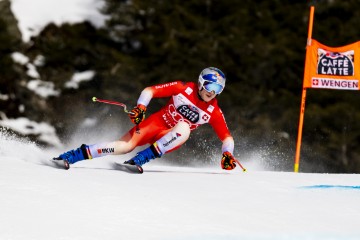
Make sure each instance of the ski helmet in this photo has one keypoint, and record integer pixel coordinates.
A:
(212, 79)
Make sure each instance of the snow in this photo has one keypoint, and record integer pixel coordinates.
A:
(79, 77)
(93, 201)
(34, 15)
(43, 88)
(4, 97)
(32, 72)
(24, 126)
(19, 58)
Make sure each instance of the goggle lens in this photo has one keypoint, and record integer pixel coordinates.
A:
(211, 86)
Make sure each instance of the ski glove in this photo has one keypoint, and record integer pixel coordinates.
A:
(228, 161)
(137, 114)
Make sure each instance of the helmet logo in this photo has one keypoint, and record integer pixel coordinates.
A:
(216, 76)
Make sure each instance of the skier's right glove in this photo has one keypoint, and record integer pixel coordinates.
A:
(228, 161)
(137, 114)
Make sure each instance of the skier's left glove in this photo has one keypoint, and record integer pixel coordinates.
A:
(228, 161)
(137, 114)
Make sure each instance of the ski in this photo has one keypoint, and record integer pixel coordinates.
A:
(63, 164)
(128, 168)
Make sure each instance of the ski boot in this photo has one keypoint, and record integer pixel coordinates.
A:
(72, 156)
(144, 156)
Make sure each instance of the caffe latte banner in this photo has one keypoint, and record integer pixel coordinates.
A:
(332, 67)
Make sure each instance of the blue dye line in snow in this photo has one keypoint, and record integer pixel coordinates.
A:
(331, 186)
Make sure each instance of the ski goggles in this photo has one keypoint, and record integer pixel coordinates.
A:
(212, 86)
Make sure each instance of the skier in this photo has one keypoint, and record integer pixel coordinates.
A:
(190, 106)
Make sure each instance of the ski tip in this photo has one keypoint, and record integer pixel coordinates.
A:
(66, 165)
(60, 163)
(141, 170)
(128, 168)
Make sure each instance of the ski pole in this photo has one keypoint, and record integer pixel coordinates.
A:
(238, 162)
(95, 99)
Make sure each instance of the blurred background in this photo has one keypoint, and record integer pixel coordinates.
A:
(48, 77)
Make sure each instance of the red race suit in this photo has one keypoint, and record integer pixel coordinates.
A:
(185, 105)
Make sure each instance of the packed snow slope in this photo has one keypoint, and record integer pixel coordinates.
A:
(93, 201)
